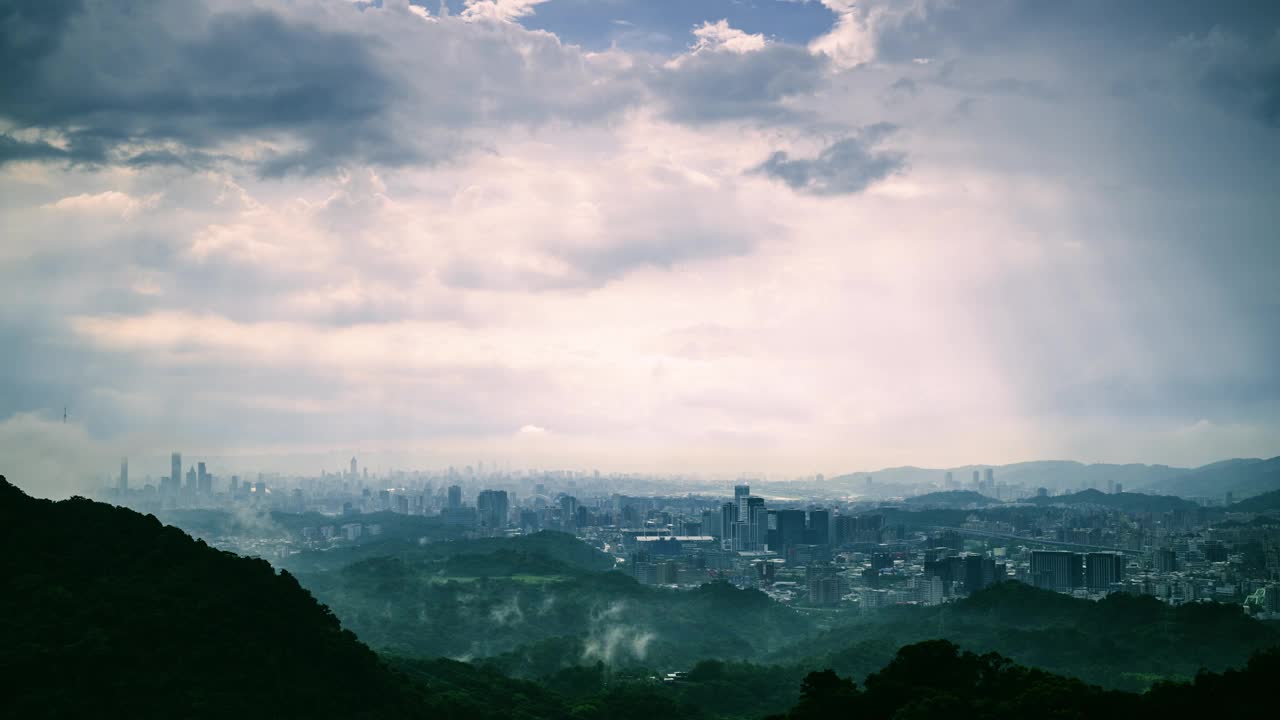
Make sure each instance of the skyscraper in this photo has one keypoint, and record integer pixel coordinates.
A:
(790, 531)
(493, 509)
(353, 469)
(740, 495)
(990, 477)
(123, 483)
(977, 484)
(455, 497)
(728, 519)
(175, 472)
(757, 523)
(569, 513)
(204, 483)
(819, 530)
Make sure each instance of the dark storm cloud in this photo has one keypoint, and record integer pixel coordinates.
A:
(111, 76)
(846, 166)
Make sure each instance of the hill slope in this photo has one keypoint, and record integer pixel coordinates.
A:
(1243, 478)
(1126, 502)
(108, 611)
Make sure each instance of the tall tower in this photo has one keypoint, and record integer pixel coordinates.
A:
(740, 495)
(353, 469)
(123, 484)
(175, 471)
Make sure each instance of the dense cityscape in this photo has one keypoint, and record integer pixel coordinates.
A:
(857, 553)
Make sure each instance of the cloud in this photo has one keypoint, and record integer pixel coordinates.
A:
(846, 166)
(855, 37)
(109, 201)
(284, 89)
(222, 220)
(719, 37)
(746, 84)
(1241, 74)
(506, 10)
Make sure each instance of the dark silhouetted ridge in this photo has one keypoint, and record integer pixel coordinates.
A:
(109, 613)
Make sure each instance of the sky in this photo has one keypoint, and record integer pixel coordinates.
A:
(708, 236)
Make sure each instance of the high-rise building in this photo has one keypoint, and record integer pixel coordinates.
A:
(977, 484)
(1103, 569)
(455, 497)
(123, 483)
(824, 584)
(1056, 569)
(728, 518)
(740, 495)
(354, 475)
(758, 523)
(569, 513)
(818, 531)
(204, 482)
(789, 530)
(990, 476)
(950, 482)
(979, 573)
(191, 480)
(493, 510)
(1165, 560)
(175, 472)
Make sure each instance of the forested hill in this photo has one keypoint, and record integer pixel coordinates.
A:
(109, 613)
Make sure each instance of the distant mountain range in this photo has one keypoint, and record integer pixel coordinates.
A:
(1242, 477)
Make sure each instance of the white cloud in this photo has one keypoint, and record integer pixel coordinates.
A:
(505, 10)
(718, 36)
(109, 202)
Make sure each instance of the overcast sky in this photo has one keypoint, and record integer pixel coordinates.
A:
(777, 236)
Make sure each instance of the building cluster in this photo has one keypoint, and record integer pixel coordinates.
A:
(849, 554)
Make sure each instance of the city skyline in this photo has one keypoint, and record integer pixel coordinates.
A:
(712, 237)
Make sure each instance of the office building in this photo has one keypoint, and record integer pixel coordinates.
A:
(1103, 569)
(740, 495)
(175, 472)
(455, 497)
(493, 510)
(818, 532)
(728, 520)
(1056, 570)
(789, 530)
(824, 584)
